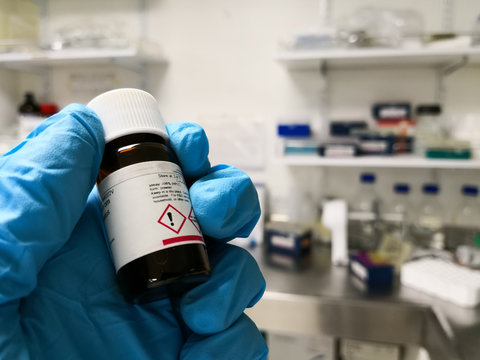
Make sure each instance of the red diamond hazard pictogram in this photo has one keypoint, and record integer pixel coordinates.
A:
(172, 219)
(194, 220)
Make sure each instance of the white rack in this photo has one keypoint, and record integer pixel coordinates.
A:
(374, 57)
(380, 162)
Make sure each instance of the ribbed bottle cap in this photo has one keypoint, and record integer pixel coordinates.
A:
(128, 111)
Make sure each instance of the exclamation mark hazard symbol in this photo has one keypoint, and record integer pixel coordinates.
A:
(172, 218)
(169, 214)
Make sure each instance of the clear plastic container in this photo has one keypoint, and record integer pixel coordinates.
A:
(428, 127)
(19, 24)
(363, 215)
(429, 229)
(466, 216)
(396, 213)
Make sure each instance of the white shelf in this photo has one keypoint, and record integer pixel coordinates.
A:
(372, 57)
(380, 162)
(140, 53)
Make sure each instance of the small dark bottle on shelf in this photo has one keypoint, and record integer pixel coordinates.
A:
(155, 240)
(29, 105)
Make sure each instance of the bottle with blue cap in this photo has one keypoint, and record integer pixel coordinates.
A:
(396, 244)
(396, 213)
(466, 216)
(429, 226)
(363, 215)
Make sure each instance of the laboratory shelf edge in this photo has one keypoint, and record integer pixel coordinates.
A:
(380, 162)
(371, 57)
(138, 53)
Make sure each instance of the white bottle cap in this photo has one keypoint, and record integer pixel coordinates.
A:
(128, 111)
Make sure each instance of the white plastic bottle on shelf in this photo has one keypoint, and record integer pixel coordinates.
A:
(466, 217)
(429, 127)
(476, 32)
(363, 214)
(429, 224)
(396, 213)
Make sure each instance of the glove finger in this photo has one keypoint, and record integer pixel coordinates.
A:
(44, 185)
(190, 143)
(234, 284)
(240, 341)
(226, 203)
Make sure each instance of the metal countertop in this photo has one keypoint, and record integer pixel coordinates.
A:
(327, 300)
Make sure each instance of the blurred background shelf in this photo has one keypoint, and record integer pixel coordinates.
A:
(139, 53)
(372, 57)
(380, 162)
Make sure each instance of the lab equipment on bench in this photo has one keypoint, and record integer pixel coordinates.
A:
(287, 238)
(373, 270)
(468, 212)
(466, 216)
(396, 244)
(395, 214)
(363, 214)
(445, 280)
(429, 224)
(335, 219)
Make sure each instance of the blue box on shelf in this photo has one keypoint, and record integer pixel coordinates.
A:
(294, 130)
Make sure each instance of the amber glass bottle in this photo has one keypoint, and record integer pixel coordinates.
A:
(155, 240)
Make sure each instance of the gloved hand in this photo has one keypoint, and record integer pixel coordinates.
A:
(58, 296)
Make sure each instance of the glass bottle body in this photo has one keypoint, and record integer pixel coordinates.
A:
(396, 217)
(429, 226)
(466, 219)
(363, 216)
(162, 272)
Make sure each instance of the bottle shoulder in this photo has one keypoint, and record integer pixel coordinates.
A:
(133, 149)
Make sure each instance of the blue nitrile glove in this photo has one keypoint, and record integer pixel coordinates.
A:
(58, 296)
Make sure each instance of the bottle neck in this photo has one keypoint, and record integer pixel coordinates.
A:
(470, 200)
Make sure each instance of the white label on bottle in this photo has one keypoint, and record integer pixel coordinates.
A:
(146, 208)
(430, 222)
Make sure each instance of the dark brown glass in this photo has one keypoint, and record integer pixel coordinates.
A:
(165, 272)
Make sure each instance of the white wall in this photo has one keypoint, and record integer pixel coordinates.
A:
(221, 66)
